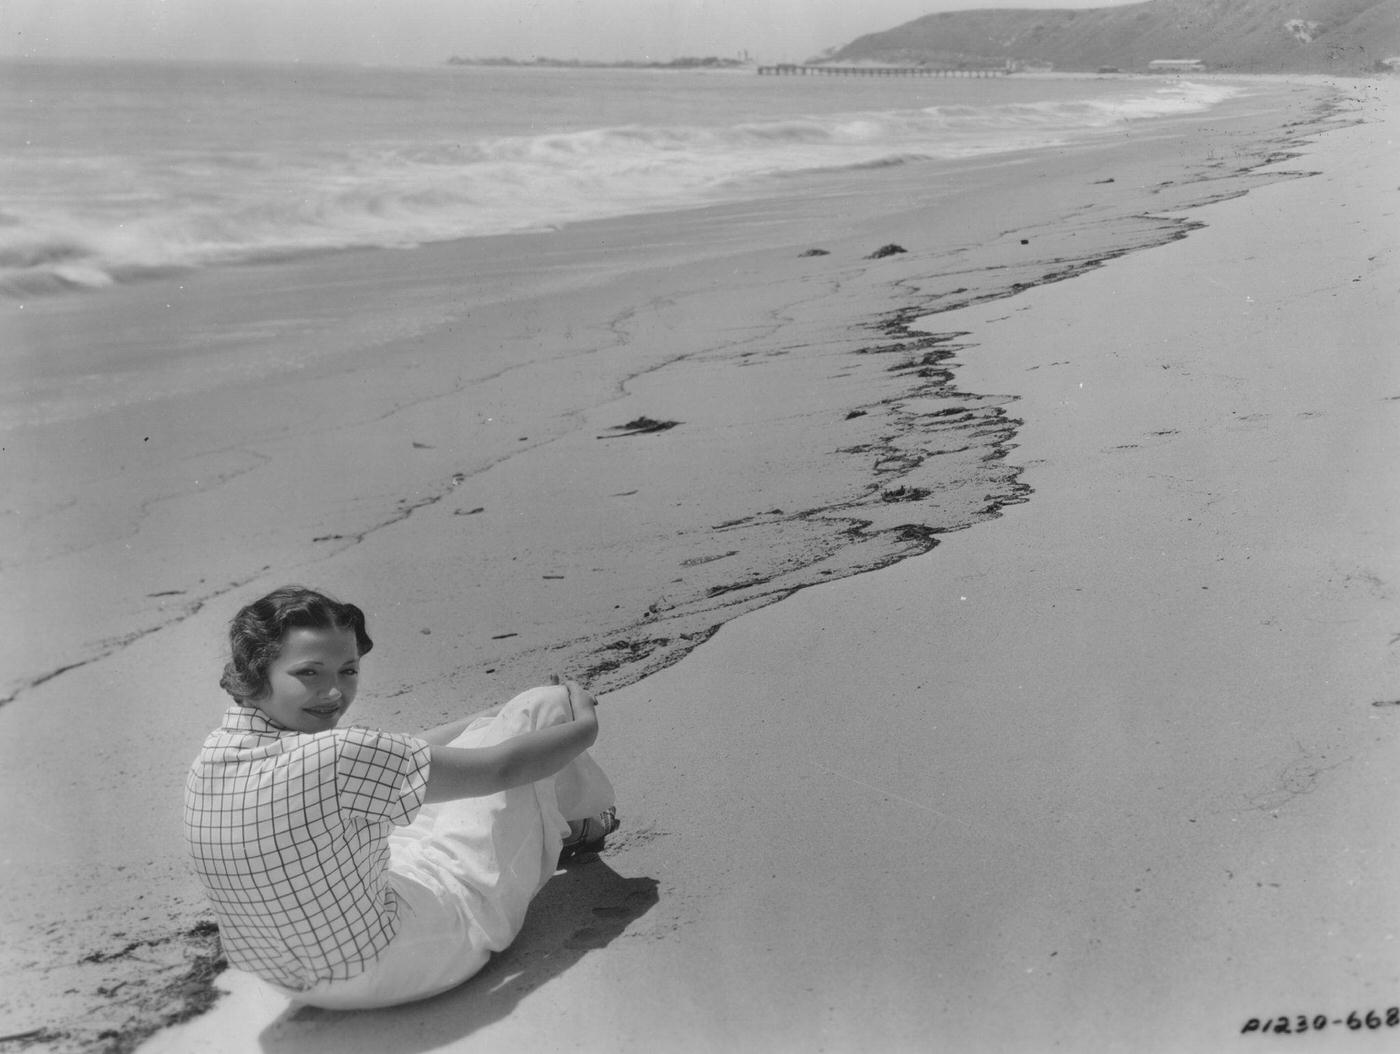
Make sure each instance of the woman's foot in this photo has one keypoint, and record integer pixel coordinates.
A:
(587, 836)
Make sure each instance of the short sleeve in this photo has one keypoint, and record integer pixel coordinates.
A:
(381, 775)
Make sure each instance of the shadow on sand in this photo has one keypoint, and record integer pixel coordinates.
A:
(584, 908)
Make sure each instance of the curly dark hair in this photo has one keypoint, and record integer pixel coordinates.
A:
(256, 633)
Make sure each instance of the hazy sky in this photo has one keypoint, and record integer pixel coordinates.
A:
(417, 32)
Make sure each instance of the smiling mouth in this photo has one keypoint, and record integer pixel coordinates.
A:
(323, 711)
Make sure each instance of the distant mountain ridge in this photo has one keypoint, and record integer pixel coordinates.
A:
(1245, 36)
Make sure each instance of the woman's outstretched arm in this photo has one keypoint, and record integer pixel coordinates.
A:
(460, 772)
(442, 735)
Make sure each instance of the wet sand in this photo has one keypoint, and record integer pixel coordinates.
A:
(1039, 783)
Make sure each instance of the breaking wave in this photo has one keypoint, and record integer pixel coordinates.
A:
(108, 220)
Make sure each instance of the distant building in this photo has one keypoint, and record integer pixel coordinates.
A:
(1176, 66)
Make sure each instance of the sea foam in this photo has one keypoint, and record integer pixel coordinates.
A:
(83, 218)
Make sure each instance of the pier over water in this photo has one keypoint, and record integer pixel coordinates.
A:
(793, 69)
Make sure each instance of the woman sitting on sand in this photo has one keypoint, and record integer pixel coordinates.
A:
(353, 868)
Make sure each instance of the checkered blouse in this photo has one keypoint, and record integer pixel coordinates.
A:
(289, 833)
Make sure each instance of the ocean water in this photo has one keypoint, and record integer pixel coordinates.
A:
(114, 172)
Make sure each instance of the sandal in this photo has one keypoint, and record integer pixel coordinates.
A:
(587, 836)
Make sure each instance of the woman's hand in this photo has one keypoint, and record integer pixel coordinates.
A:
(581, 701)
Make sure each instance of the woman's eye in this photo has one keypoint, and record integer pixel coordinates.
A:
(349, 673)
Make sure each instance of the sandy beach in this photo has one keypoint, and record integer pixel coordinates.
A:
(997, 636)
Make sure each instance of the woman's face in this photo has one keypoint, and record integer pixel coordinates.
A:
(312, 682)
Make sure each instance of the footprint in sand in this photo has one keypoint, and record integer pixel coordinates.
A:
(586, 939)
(612, 913)
(634, 905)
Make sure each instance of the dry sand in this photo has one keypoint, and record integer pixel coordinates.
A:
(1104, 771)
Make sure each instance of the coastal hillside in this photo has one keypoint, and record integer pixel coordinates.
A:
(1248, 36)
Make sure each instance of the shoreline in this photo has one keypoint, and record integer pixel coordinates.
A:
(852, 275)
(650, 388)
